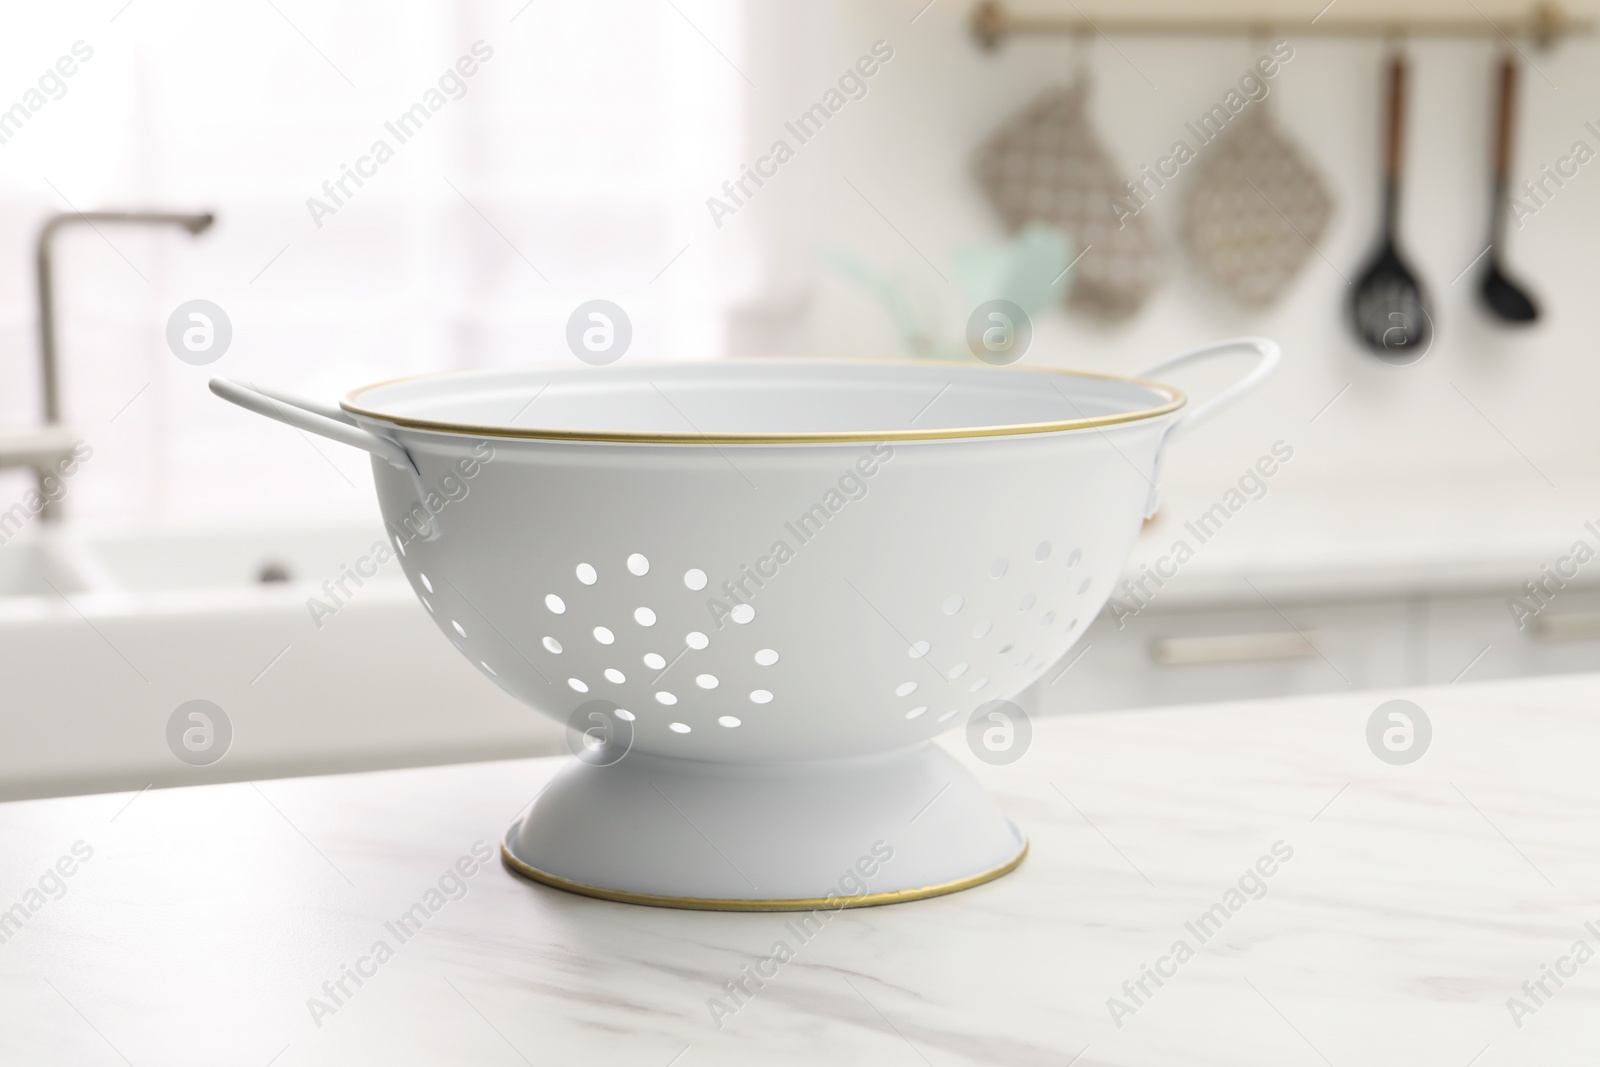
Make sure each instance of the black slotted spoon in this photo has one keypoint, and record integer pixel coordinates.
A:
(1505, 299)
(1388, 306)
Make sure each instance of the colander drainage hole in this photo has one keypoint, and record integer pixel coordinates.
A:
(426, 604)
(982, 629)
(916, 713)
(1026, 602)
(665, 697)
(766, 657)
(918, 650)
(615, 676)
(979, 684)
(706, 681)
(1072, 560)
(586, 574)
(694, 578)
(625, 715)
(638, 566)
(952, 603)
(958, 670)
(577, 685)
(603, 635)
(678, 727)
(1041, 551)
(760, 696)
(425, 583)
(905, 689)
(555, 604)
(729, 721)
(654, 662)
(1049, 617)
(947, 716)
(997, 569)
(644, 616)
(1084, 588)
(696, 640)
(459, 630)
(553, 645)
(742, 613)
(488, 668)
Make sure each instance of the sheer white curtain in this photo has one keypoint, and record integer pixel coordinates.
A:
(562, 152)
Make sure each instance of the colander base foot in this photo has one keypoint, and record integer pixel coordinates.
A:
(818, 836)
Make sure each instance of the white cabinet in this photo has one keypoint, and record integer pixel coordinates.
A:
(1235, 651)
(1482, 632)
(1231, 649)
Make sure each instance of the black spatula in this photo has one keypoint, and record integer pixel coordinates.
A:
(1388, 306)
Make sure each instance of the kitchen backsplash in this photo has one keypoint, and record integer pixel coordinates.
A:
(1485, 401)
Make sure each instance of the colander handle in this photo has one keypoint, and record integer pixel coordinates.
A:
(1268, 354)
(308, 415)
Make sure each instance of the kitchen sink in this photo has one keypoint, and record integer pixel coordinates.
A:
(104, 635)
(153, 562)
(30, 568)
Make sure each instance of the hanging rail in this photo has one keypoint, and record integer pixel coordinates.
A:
(993, 21)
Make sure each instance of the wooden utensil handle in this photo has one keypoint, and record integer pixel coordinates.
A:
(1508, 107)
(1397, 111)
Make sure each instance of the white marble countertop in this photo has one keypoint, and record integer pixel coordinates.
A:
(197, 923)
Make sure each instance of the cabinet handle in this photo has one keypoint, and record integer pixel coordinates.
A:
(1230, 648)
(1571, 626)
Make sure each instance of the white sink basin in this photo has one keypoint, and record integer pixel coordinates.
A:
(155, 562)
(104, 635)
(28, 568)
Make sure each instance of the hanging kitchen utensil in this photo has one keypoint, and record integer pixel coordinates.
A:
(1388, 305)
(1505, 299)
(1046, 164)
(1255, 210)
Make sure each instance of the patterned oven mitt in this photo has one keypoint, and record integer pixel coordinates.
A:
(1047, 164)
(1255, 210)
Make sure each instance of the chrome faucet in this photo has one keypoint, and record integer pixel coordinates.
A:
(48, 372)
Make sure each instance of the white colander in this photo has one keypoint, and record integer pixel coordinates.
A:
(757, 589)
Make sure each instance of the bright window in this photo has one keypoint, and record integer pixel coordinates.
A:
(573, 162)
